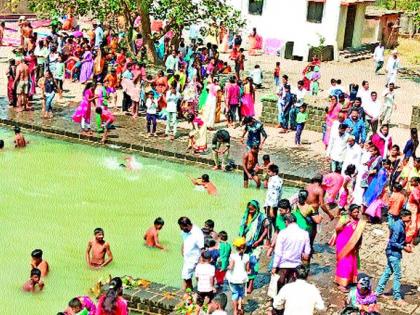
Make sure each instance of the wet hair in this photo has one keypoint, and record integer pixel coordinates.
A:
(205, 178)
(302, 272)
(1, 144)
(223, 235)
(36, 253)
(209, 223)
(285, 204)
(159, 221)
(398, 187)
(405, 213)
(35, 272)
(75, 302)
(316, 179)
(184, 221)
(98, 230)
(266, 157)
(221, 300)
(350, 170)
(302, 196)
(111, 295)
(16, 129)
(274, 168)
(289, 218)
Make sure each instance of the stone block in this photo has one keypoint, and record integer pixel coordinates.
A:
(142, 297)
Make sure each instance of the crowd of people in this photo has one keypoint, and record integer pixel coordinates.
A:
(370, 179)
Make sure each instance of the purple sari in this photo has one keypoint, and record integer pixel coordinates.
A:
(87, 67)
(376, 187)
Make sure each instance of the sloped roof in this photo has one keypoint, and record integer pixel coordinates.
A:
(375, 11)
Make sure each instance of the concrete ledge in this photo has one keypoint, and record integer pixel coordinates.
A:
(290, 179)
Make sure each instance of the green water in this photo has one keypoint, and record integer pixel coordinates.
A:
(53, 194)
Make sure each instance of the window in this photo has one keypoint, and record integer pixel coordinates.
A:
(255, 7)
(315, 11)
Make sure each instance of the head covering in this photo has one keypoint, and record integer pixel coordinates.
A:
(22, 18)
(239, 242)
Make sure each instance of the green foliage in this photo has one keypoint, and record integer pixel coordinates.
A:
(408, 6)
(320, 49)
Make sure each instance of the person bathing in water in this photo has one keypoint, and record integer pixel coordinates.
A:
(151, 237)
(20, 141)
(97, 249)
(204, 181)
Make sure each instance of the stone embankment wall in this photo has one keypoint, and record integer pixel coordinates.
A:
(315, 110)
(415, 117)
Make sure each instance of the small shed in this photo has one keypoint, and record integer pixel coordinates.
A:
(382, 25)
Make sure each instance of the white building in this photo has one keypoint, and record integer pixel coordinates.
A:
(301, 22)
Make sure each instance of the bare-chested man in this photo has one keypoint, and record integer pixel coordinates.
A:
(26, 31)
(22, 85)
(99, 249)
(39, 263)
(249, 164)
(316, 196)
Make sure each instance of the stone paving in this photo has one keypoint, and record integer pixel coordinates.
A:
(303, 162)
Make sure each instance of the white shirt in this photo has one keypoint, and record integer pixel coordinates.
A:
(291, 243)
(378, 54)
(151, 106)
(205, 275)
(238, 274)
(389, 98)
(337, 146)
(299, 298)
(273, 196)
(300, 95)
(364, 95)
(256, 75)
(172, 101)
(353, 156)
(193, 243)
(372, 109)
(219, 312)
(393, 65)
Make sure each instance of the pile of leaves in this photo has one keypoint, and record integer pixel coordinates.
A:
(188, 305)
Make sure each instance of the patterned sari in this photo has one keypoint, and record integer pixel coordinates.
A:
(347, 255)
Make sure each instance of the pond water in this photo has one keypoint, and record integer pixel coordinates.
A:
(53, 194)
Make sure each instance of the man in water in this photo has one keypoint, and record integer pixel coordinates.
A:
(22, 85)
(99, 248)
(19, 141)
(205, 182)
(39, 263)
(250, 161)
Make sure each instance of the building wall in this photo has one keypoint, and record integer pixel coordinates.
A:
(286, 21)
(359, 23)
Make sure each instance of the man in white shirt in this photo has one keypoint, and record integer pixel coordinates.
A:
(99, 34)
(392, 67)
(292, 247)
(193, 243)
(299, 297)
(337, 146)
(378, 57)
(257, 76)
(364, 92)
(41, 53)
(172, 99)
(389, 105)
(353, 154)
(172, 62)
(372, 110)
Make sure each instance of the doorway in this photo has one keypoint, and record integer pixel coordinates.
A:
(348, 34)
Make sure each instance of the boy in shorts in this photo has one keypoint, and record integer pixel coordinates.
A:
(105, 119)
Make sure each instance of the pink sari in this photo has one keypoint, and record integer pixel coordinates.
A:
(347, 252)
(332, 184)
(331, 116)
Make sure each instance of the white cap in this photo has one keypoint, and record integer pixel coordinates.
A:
(22, 18)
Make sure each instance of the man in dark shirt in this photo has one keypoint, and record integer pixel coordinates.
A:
(255, 131)
(396, 245)
(221, 137)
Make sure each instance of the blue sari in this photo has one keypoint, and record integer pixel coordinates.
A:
(376, 187)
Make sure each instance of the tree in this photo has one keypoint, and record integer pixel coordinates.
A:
(408, 6)
(177, 14)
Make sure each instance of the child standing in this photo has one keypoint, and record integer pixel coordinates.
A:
(223, 260)
(59, 76)
(301, 119)
(151, 114)
(50, 88)
(257, 76)
(151, 237)
(264, 168)
(276, 74)
(237, 274)
(105, 119)
(205, 273)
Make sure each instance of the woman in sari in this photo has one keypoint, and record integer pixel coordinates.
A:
(87, 66)
(255, 42)
(198, 134)
(209, 110)
(254, 228)
(349, 231)
(372, 198)
(332, 114)
(248, 99)
(204, 94)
